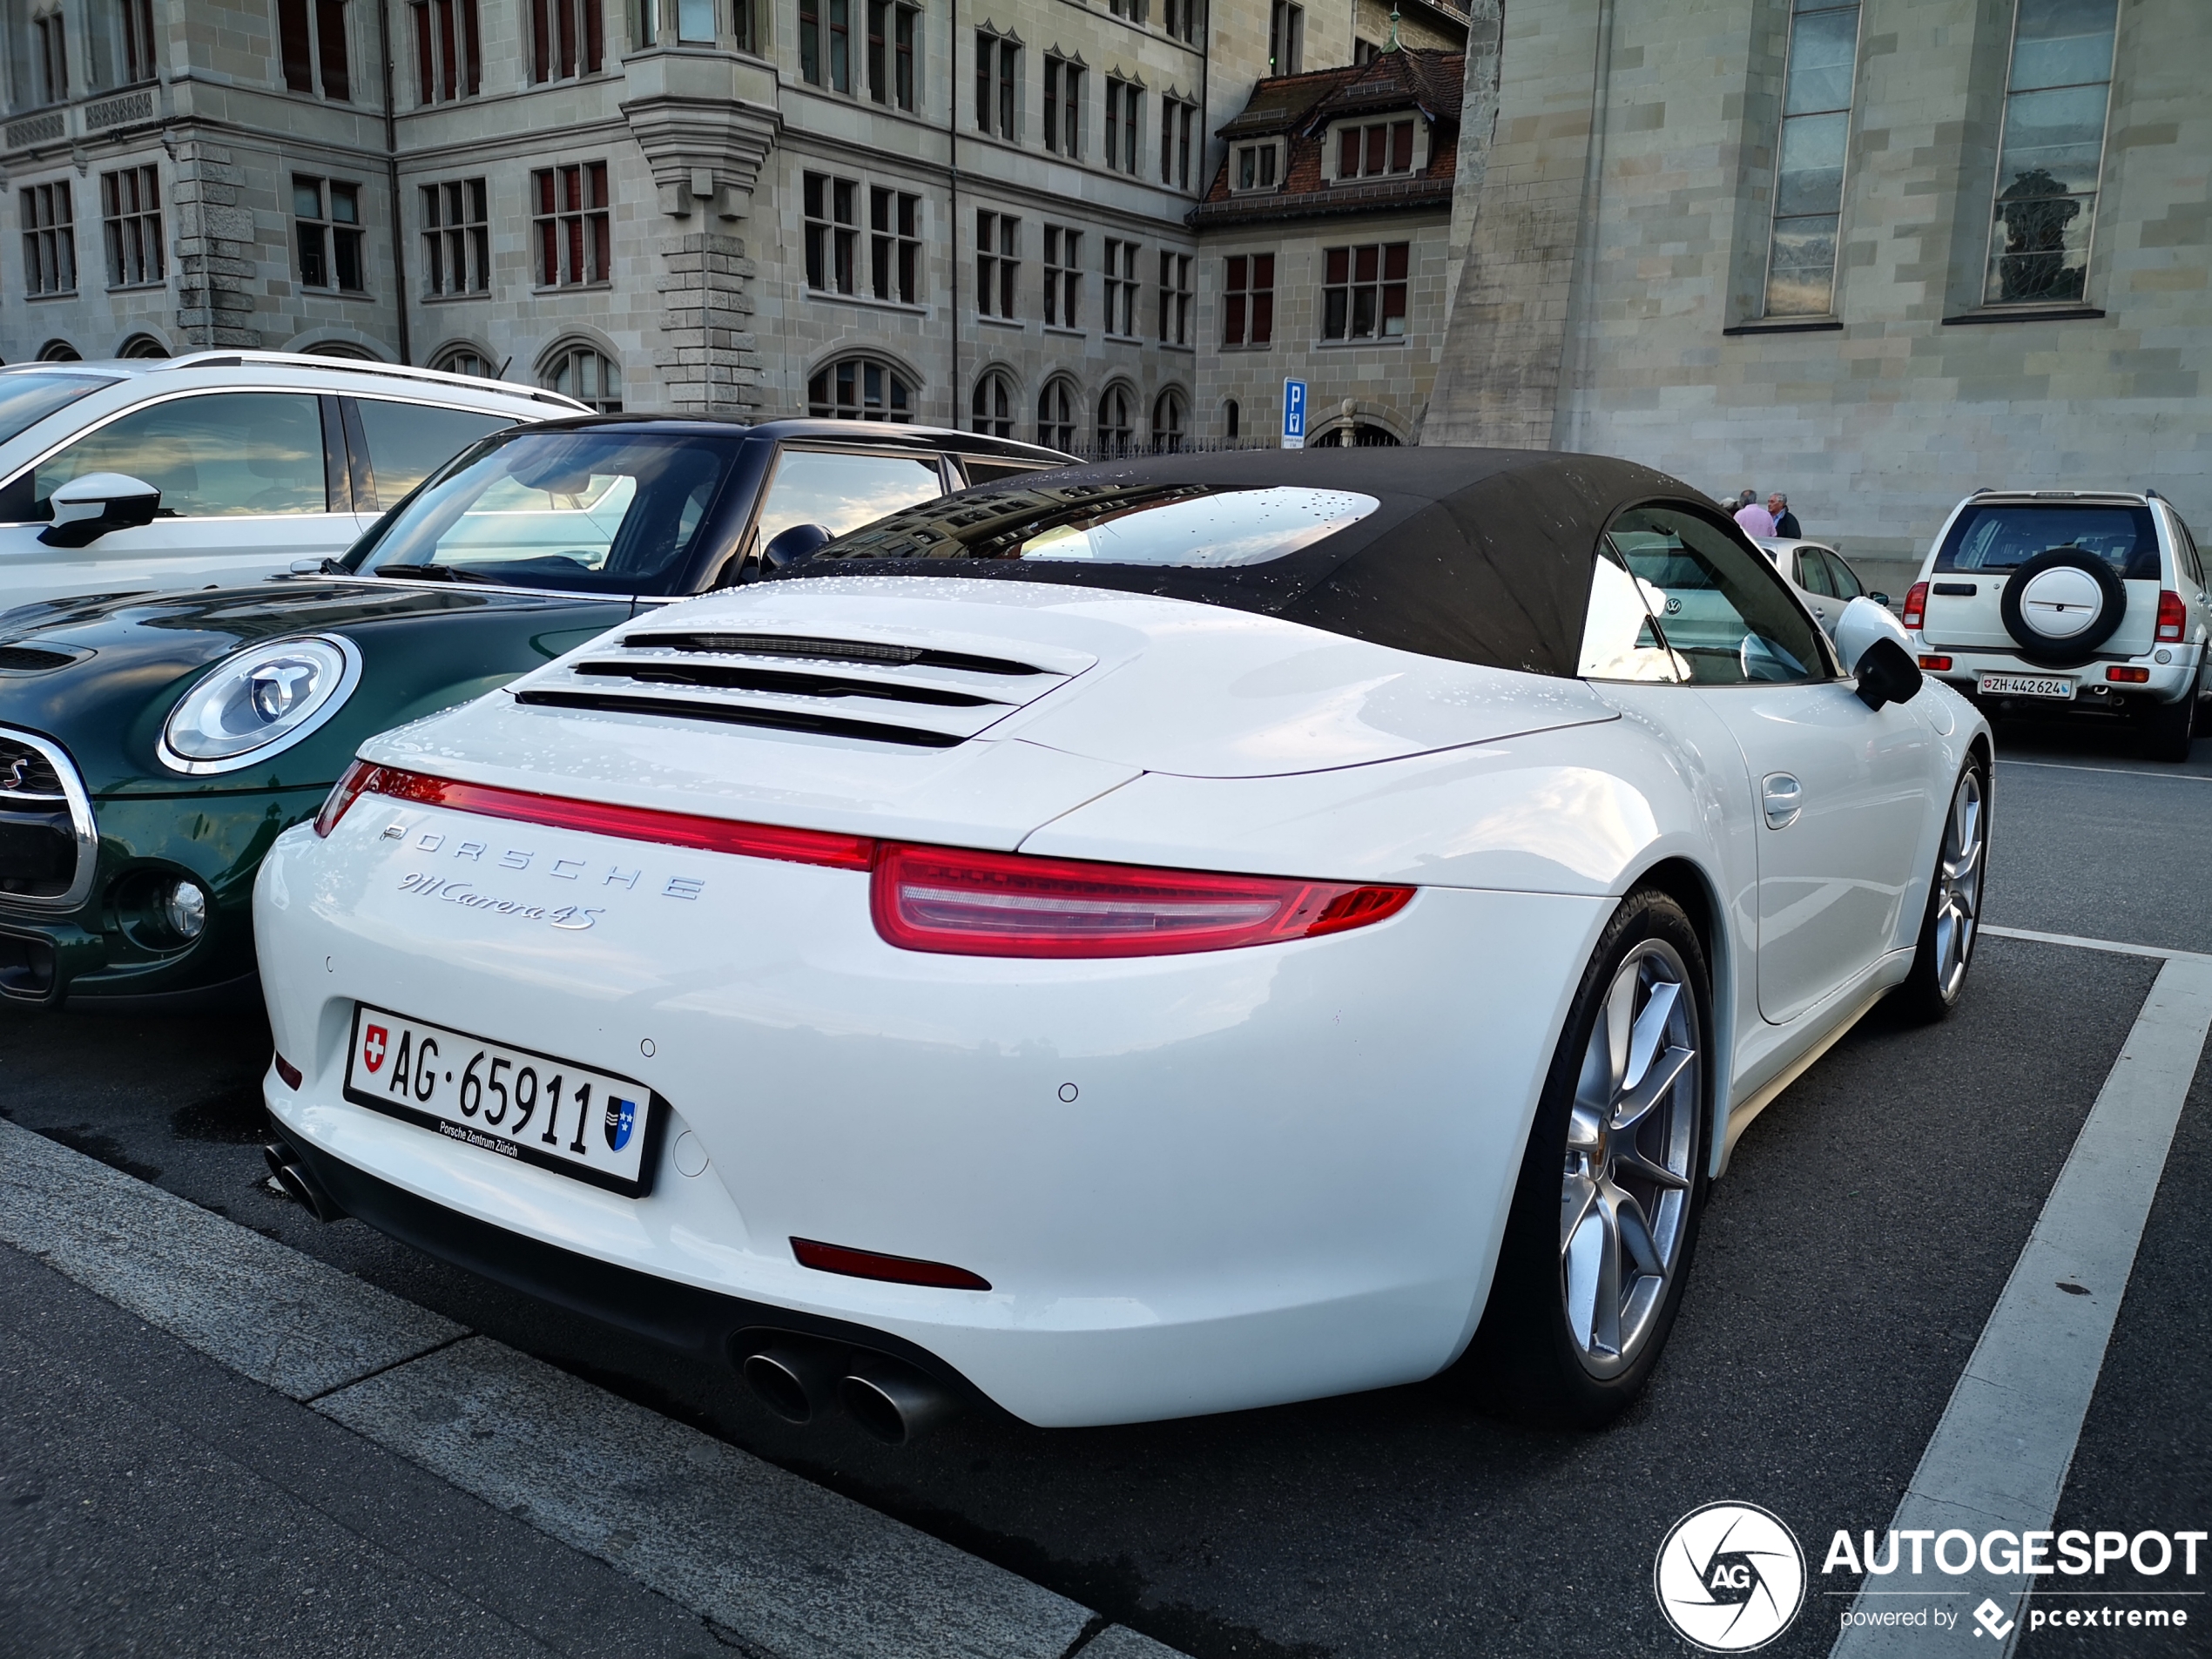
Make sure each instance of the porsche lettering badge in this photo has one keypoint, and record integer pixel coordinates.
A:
(571, 916)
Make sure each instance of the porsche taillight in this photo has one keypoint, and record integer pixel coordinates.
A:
(1915, 604)
(1007, 904)
(2173, 616)
(343, 794)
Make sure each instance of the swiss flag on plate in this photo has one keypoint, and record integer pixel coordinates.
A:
(373, 1046)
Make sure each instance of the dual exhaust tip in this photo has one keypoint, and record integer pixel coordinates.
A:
(288, 1171)
(804, 1382)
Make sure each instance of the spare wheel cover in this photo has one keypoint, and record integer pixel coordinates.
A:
(2061, 604)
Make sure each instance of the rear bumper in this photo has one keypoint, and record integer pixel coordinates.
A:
(2096, 695)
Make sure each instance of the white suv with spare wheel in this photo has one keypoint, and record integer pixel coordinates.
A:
(2078, 603)
(220, 467)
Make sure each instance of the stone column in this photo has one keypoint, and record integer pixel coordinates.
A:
(216, 249)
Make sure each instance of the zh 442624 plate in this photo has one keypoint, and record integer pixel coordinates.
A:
(592, 1125)
(2057, 687)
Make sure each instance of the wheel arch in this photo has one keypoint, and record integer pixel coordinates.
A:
(1689, 885)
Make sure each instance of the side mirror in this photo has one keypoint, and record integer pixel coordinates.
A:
(88, 508)
(1861, 622)
(1887, 674)
(793, 545)
(1882, 599)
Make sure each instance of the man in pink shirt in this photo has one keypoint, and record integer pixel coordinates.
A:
(1755, 519)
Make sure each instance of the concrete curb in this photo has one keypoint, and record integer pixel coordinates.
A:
(774, 1559)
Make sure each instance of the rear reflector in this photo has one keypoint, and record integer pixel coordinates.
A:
(949, 899)
(1935, 664)
(1915, 604)
(289, 1072)
(597, 817)
(2129, 675)
(2173, 616)
(1004, 904)
(898, 1269)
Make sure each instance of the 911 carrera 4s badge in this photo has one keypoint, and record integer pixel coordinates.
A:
(373, 1048)
(622, 1118)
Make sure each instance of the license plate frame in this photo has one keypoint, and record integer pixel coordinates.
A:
(439, 1112)
(2060, 687)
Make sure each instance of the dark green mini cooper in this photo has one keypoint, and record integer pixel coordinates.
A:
(153, 745)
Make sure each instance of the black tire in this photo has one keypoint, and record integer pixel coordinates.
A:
(2169, 730)
(1933, 989)
(1526, 1361)
(2040, 647)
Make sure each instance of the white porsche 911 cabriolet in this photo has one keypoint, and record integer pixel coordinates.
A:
(1190, 934)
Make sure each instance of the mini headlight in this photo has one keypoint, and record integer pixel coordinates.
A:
(258, 703)
(185, 909)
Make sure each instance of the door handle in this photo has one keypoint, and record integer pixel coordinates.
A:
(1784, 796)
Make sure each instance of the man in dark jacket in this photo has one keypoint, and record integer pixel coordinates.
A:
(1785, 521)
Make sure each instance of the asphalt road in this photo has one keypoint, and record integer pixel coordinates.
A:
(1847, 1263)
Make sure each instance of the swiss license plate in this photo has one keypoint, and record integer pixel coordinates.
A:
(2057, 686)
(517, 1103)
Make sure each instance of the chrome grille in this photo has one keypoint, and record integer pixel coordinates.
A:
(48, 841)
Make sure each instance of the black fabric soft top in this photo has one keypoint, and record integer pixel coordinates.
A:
(1480, 556)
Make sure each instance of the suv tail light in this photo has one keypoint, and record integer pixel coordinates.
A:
(2173, 617)
(1006, 904)
(1915, 604)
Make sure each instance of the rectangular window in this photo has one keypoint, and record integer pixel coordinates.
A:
(456, 248)
(1286, 39)
(1119, 272)
(567, 38)
(49, 239)
(744, 26)
(50, 59)
(572, 224)
(826, 43)
(998, 263)
(1375, 150)
(894, 244)
(1177, 118)
(448, 50)
(1124, 111)
(130, 215)
(1180, 19)
(695, 23)
(136, 21)
(1253, 166)
(1175, 298)
(891, 52)
(1362, 295)
(1130, 10)
(327, 224)
(832, 233)
(998, 71)
(311, 40)
(1809, 165)
(1063, 278)
(2052, 156)
(1064, 107)
(1248, 301)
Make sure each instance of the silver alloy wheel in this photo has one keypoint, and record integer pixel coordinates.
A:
(1957, 896)
(1624, 1207)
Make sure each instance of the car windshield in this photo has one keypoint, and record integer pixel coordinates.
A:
(595, 512)
(28, 397)
(2004, 535)
(1191, 526)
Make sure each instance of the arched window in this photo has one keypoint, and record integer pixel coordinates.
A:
(584, 373)
(59, 351)
(462, 359)
(143, 346)
(859, 388)
(343, 350)
(1231, 414)
(993, 407)
(1114, 424)
(1056, 415)
(1356, 436)
(1167, 422)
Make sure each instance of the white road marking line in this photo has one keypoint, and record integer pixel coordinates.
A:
(2159, 952)
(780, 1561)
(2120, 772)
(2001, 1455)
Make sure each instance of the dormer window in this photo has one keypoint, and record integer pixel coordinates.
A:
(1374, 149)
(1256, 166)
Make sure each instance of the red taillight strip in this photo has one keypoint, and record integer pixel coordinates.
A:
(898, 1269)
(598, 818)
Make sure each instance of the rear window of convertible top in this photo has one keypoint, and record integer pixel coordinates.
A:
(1183, 525)
(2003, 536)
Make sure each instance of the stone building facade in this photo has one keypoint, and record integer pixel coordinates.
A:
(758, 206)
(1876, 256)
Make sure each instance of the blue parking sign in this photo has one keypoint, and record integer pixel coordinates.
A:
(1294, 415)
